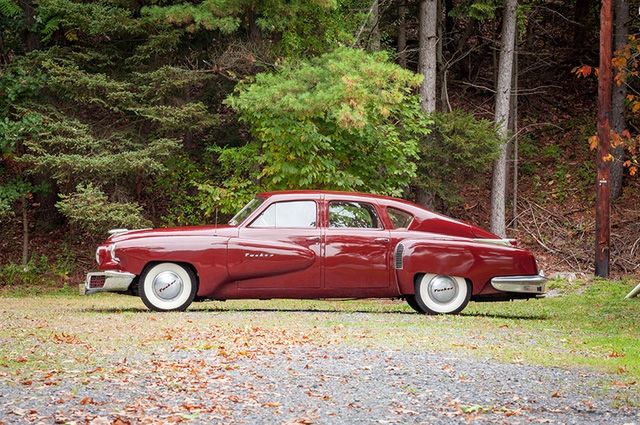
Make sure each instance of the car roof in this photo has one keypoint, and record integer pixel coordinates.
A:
(340, 193)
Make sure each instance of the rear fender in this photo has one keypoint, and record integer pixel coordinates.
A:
(435, 256)
(472, 260)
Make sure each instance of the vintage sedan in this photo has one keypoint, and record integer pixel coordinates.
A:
(318, 244)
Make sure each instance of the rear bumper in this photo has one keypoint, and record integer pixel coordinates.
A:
(533, 284)
(106, 282)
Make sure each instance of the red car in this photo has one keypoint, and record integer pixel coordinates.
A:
(318, 244)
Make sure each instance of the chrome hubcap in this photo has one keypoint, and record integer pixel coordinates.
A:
(443, 289)
(167, 285)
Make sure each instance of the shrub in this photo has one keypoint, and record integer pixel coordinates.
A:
(90, 210)
(346, 120)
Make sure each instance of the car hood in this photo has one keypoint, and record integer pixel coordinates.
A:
(219, 230)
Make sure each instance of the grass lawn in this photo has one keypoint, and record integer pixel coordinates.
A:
(590, 325)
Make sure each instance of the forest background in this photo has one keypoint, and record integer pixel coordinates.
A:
(123, 113)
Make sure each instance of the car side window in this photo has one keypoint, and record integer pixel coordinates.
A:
(298, 214)
(400, 219)
(353, 215)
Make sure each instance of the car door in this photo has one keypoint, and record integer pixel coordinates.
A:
(356, 249)
(282, 249)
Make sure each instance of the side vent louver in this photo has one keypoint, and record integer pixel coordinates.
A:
(399, 256)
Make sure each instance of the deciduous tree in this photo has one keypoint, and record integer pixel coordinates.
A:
(345, 120)
(503, 97)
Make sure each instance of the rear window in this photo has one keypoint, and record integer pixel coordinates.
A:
(399, 219)
(355, 215)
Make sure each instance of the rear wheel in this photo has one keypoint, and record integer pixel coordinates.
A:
(442, 294)
(167, 287)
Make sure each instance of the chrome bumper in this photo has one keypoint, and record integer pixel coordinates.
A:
(522, 284)
(106, 282)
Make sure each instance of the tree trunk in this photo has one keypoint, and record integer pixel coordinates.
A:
(25, 232)
(581, 12)
(427, 66)
(428, 53)
(603, 176)
(440, 65)
(503, 95)
(510, 159)
(31, 39)
(448, 20)
(374, 27)
(621, 13)
(402, 34)
(255, 34)
(514, 129)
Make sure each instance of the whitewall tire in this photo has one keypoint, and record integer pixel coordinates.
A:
(442, 294)
(411, 300)
(167, 287)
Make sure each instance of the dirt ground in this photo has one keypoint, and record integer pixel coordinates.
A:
(106, 360)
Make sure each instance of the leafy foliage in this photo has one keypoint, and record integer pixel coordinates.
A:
(209, 15)
(459, 147)
(76, 19)
(478, 10)
(9, 9)
(345, 120)
(627, 66)
(114, 91)
(10, 193)
(302, 26)
(90, 210)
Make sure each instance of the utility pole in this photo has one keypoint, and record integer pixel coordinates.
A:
(603, 183)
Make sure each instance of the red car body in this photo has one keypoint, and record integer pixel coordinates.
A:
(324, 261)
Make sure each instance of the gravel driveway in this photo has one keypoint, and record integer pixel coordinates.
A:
(304, 384)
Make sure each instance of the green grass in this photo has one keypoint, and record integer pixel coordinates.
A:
(590, 326)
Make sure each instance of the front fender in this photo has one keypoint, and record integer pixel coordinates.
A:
(207, 255)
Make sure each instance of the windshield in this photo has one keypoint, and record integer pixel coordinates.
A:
(246, 211)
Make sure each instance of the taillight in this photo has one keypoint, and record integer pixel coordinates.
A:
(106, 254)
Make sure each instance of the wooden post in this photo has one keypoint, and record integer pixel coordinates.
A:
(603, 184)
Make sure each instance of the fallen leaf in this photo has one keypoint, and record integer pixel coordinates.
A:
(271, 404)
(299, 421)
(86, 400)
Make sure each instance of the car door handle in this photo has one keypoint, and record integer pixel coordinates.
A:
(382, 240)
(312, 239)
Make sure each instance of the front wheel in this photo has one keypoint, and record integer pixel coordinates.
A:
(442, 294)
(411, 300)
(167, 287)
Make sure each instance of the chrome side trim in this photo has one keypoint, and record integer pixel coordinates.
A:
(113, 282)
(534, 284)
(505, 242)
